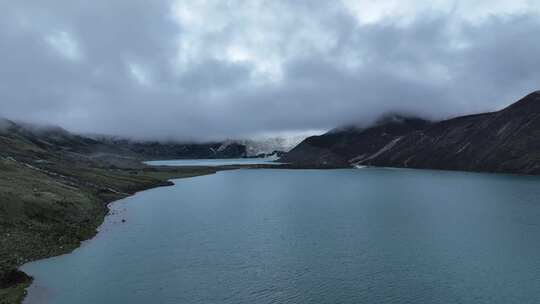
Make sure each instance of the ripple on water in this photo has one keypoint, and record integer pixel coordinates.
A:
(310, 236)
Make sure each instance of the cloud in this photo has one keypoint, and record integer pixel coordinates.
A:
(206, 69)
(65, 45)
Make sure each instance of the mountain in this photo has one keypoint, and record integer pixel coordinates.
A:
(22, 140)
(271, 145)
(339, 146)
(503, 141)
(26, 140)
(173, 150)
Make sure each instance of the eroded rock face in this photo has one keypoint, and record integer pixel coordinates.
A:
(504, 141)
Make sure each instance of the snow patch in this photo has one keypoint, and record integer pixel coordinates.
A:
(388, 146)
(463, 148)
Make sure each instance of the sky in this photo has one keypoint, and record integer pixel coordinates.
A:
(207, 70)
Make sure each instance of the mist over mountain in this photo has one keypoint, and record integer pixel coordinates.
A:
(502, 141)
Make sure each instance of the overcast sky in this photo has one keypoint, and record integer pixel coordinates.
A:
(228, 69)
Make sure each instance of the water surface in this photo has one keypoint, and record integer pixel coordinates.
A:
(310, 236)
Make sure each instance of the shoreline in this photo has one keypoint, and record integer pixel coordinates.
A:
(162, 176)
(14, 282)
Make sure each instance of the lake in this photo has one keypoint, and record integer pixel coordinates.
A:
(310, 236)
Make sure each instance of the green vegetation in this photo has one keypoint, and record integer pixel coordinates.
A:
(55, 187)
(48, 210)
(167, 173)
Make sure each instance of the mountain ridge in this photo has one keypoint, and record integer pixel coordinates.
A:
(506, 141)
(28, 140)
(339, 145)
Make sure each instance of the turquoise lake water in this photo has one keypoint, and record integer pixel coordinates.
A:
(310, 236)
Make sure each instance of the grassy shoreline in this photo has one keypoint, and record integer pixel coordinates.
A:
(49, 213)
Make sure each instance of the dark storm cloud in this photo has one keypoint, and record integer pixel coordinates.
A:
(206, 70)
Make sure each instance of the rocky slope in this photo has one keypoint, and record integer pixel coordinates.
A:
(172, 150)
(504, 141)
(340, 146)
(25, 140)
